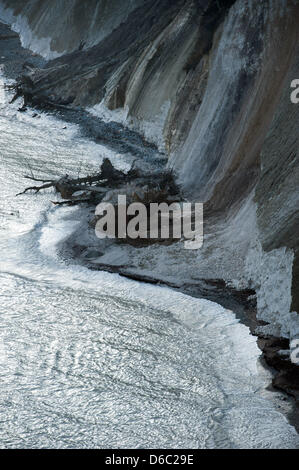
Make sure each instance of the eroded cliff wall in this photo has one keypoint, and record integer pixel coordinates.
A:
(55, 27)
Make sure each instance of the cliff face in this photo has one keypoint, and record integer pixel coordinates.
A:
(277, 191)
(209, 82)
(56, 27)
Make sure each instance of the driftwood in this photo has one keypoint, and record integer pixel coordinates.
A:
(70, 202)
(67, 186)
(94, 187)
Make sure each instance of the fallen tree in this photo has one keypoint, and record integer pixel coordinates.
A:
(92, 188)
(97, 183)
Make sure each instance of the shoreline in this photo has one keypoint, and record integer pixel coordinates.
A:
(245, 310)
(211, 289)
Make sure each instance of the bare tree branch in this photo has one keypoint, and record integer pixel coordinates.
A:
(39, 180)
(36, 188)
